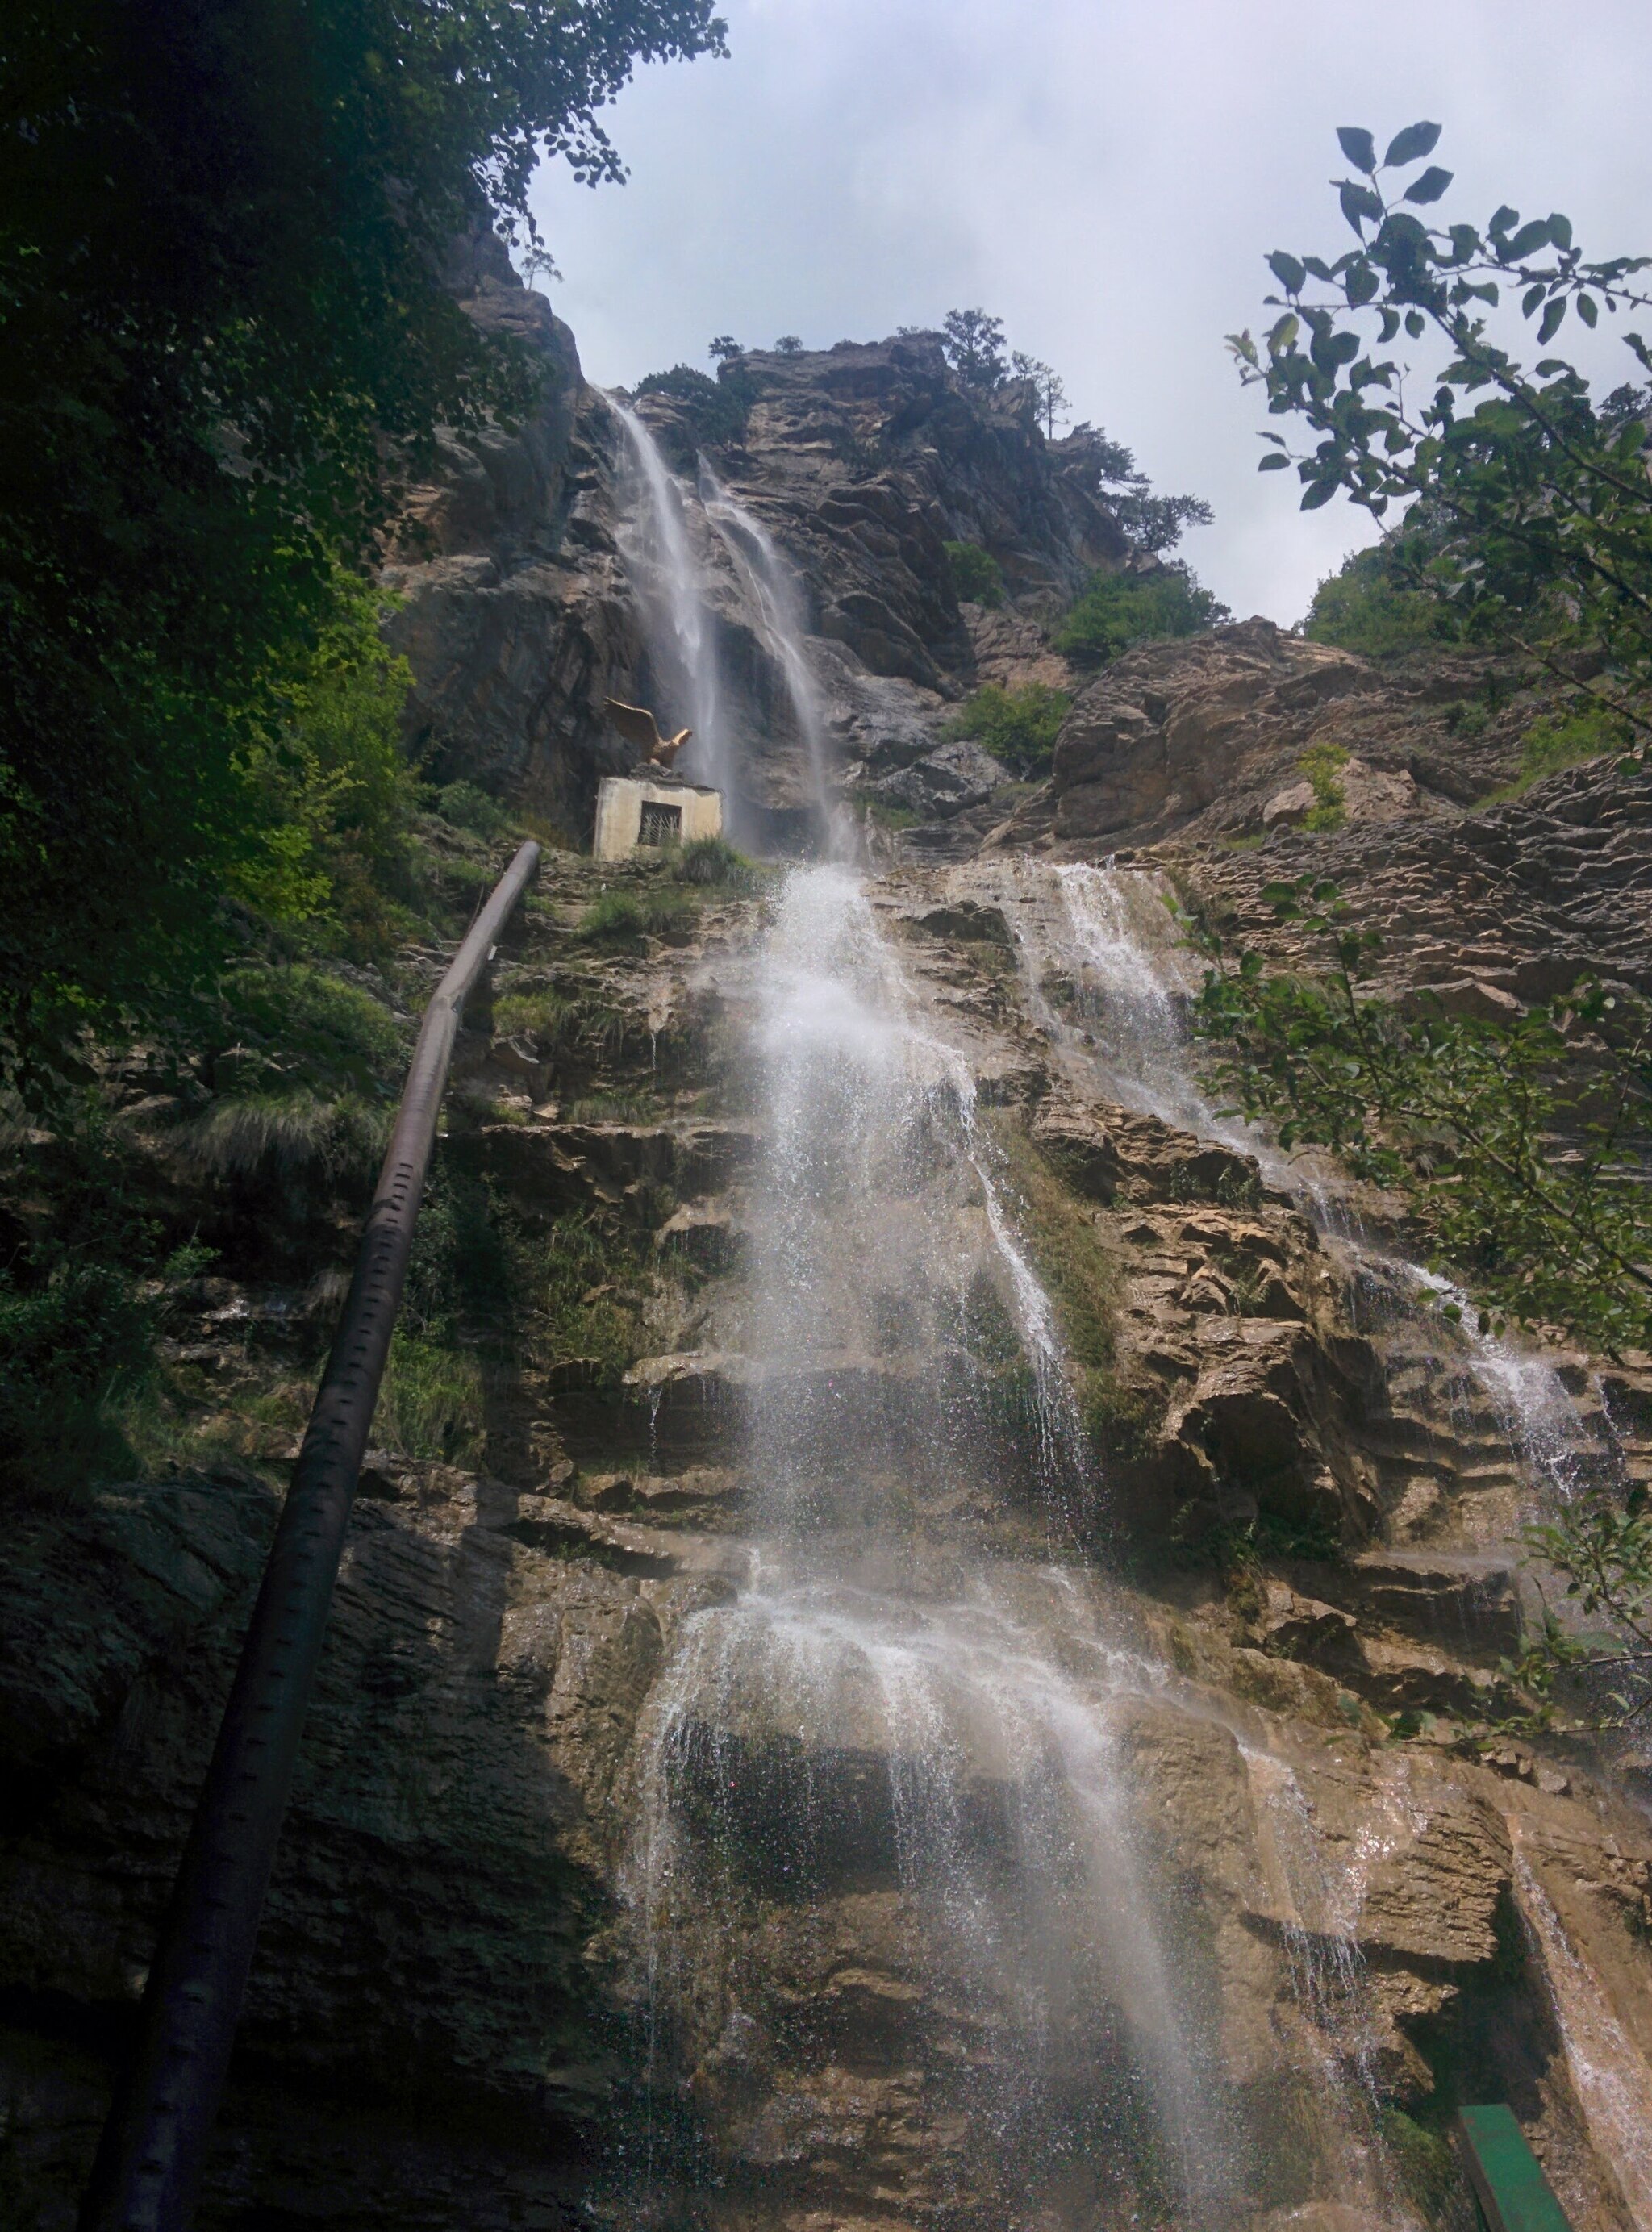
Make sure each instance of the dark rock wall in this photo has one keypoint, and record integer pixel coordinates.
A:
(862, 461)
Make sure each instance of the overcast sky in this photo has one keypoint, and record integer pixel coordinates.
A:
(1104, 175)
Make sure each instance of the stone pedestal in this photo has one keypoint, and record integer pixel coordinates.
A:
(653, 807)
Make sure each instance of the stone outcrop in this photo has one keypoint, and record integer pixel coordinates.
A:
(1487, 910)
(862, 462)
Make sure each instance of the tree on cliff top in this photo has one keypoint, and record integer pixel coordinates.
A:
(221, 259)
(1530, 517)
(975, 348)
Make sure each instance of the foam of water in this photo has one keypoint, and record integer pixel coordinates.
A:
(951, 1724)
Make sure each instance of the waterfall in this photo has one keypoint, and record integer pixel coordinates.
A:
(1115, 931)
(666, 578)
(773, 598)
(656, 543)
(912, 1704)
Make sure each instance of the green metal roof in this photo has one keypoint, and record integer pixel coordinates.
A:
(1506, 2176)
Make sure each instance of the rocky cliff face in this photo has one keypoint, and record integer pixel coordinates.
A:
(519, 612)
(621, 1887)
(473, 2005)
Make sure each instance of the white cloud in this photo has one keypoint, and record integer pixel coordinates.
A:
(1106, 176)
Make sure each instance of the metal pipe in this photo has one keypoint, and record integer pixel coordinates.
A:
(150, 2162)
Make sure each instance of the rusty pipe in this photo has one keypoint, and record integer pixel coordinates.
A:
(150, 2162)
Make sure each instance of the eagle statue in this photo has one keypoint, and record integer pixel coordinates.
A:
(637, 726)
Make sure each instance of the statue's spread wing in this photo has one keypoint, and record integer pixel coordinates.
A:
(634, 722)
(674, 744)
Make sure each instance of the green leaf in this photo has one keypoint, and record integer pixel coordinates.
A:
(1505, 221)
(1274, 462)
(1361, 284)
(1359, 147)
(1551, 317)
(1321, 493)
(1414, 324)
(1411, 144)
(1586, 310)
(1465, 243)
(1359, 204)
(1560, 230)
(1430, 185)
(1287, 270)
(1533, 295)
(1528, 240)
(1391, 324)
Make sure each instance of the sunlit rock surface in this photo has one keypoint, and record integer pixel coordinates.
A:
(817, 1758)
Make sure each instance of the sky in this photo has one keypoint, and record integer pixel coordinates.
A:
(1106, 176)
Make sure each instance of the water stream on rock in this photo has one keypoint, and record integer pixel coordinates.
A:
(666, 577)
(673, 588)
(894, 1791)
(773, 596)
(1135, 982)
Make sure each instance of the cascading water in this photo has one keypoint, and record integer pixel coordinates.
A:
(666, 578)
(1135, 984)
(670, 581)
(913, 1716)
(772, 596)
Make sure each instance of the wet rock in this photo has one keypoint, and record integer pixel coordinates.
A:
(954, 775)
(1297, 1627)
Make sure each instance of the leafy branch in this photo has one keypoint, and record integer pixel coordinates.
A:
(1603, 1552)
(1533, 502)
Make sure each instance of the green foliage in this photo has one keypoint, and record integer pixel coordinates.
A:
(547, 1016)
(71, 1347)
(331, 793)
(1426, 2166)
(1122, 1421)
(295, 1026)
(430, 1401)
(467, 807)
(625, 918)
(78, 1311)
(1567, 740)
(975, 348)
(1364, 608)
(1017, 725)
(225, 336)
(1081, 1277)
(1322, 763)
(1240, 1551)
(974, 574)
(1531, 498)
(1049, 394)
(713, 412)
(972, 344)
(1119, 610)
(707, 861)
(287, 1136)
(1506, 1141)
(1601, 1550)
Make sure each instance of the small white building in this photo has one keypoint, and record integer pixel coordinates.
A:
(638, 810)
